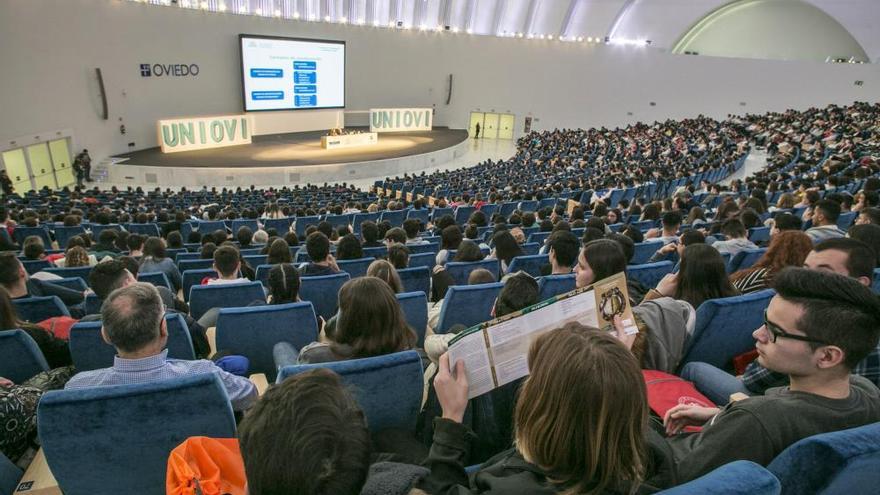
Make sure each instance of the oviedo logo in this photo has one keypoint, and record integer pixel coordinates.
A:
(169, 70)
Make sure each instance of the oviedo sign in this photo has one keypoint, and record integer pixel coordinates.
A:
(201, 133)
(401, 119)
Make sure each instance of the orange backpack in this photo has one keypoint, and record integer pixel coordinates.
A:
(206, 466)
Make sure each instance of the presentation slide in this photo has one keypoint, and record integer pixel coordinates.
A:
(291, 74)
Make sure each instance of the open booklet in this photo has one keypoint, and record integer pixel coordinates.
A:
(496, 352)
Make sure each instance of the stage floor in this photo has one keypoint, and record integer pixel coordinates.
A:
(300, 149)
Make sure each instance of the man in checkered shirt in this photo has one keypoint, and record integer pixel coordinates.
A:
(134, 322)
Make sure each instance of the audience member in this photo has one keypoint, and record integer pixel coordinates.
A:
(788, 248)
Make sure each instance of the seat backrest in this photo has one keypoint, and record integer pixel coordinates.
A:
(463, 213)
(735, 478)
(63, 234)
(644, 250)
(467, 305)
(93, 304)
(553, 285)
(253, 332)
(323, 292)
(194, 277)
(159, 279)
(262, 274)
(72, 283)
(22, 233)
(724, 328)
(649, 274)
(423, 248)
(415, 308)
(147, 229)
(422, 214)
(128, 431)
(538, 237)
(204, 297)
(282, 225)
(20, 357)
(745, 259)
(423, 259)
(34, 266)
(759, 234)
(376, 252)
(89, 351)
(812, 464)
(460, 270)
(388, 388)
(255, 259)
(97, 229)
(37, 309)
(395, 217)
(875, 284)
(529, 264)
(301, 223)
(355, 268)
(211, 226)
(247, 222)
(198, 264)
(79, 271)
(338, 220)
(415, 278)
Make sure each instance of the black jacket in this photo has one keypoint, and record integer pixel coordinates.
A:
(509, 473)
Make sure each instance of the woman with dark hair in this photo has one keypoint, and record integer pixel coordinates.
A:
(450, 238)
(598, 259)
(55, 350)
(696, 216)
(279, 252)
(651, 212)
(155, 261)
(702, 276)
(283, 284)
(787, 248)
(369, 323)
(440, 278)
(506, 248)
(349, 248)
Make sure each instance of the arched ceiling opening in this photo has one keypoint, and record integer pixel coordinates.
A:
(630, 22)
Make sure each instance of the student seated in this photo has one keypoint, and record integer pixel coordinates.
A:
(227, 264)
(133, 320)
(580, 424)
(702, 276)
(818, 327)
(323, 263)
(14, 278)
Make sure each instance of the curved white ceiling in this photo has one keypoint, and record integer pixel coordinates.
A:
(661, 21)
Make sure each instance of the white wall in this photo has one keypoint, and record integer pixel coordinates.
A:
(49, 49)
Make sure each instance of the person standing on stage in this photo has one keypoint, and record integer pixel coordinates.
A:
(85, 164)
(477, 131)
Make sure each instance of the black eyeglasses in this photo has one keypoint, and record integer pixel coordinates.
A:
(776, 331)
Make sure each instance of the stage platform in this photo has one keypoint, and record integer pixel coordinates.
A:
(287, 159)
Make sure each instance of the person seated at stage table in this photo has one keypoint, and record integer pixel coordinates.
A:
(323, 263)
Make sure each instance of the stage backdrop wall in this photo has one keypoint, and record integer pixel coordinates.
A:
(49, 50)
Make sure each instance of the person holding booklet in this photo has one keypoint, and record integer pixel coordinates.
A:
(580, 421)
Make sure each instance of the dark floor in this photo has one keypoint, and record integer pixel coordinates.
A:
(300, 149)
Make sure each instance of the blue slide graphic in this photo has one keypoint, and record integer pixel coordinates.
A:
(305, 90)
(305, 77)
(303, 65)
(306, 100)
(267, 73)
(267, 95)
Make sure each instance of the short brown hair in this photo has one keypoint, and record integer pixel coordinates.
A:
(582, 413)
(226, 260)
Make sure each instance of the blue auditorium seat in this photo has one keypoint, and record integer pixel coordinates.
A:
(460, 270)
(79, 271)
(37, 309)
(538, 237)
(415, 278)
(211, 226)
(415, 308)
(759, 234)
(388, 388)
(128, 431)
(396, 217)
(529, 264)
(253, 332)
(644, 251)
(89, 351)
(360, 218)
(745, 259)
(191, 278)
(204, 297)
(302, 223)
(282, 225)
(145, 229)
(840, 462)
(20, 357)
(467, 305)
(724, 328)
(63, 234)
(159, 279)
(422, 215)
(649, 274)
(34, 266)
(97, 229)
(554, 285)
(735, 478)
(355, 268)
(249, 223)
(323, 292)
(196, 264)
(255, 259)
(423, 259)
(72, 283)
(463, 213)
(21, 233)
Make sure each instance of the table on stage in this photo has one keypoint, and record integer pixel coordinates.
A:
(349, 140)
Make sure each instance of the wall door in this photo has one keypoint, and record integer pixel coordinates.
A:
(61, 162)
(41, 166)
(505, 126)
(16, 166)
(476, 118)
(490, 128)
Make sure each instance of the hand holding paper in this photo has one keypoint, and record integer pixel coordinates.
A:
(452, 389)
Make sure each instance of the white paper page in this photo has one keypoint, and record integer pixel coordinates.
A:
(472, 350)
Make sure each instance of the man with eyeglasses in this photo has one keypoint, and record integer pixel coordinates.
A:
(817, 328)
(843, 256)
(134, 323)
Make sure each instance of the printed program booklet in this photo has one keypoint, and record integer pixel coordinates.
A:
(496, 352)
